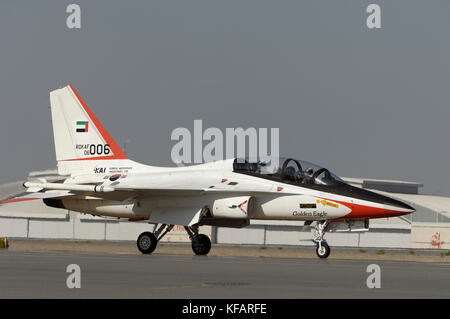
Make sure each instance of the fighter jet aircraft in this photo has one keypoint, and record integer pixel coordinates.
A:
(101, 180)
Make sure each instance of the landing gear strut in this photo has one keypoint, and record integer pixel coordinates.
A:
(201, 244)
(147, 241)
(322, 249)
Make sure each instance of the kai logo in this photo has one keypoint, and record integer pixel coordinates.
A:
(82, 126)
(99, 170)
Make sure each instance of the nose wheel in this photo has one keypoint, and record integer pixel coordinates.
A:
(323, 250)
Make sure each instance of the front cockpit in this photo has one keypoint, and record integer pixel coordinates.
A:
(288, 170)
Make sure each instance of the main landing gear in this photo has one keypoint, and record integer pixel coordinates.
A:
(147, 241)
(201, 245)
(322, 249)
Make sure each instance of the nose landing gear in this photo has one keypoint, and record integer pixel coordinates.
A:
(322, 249)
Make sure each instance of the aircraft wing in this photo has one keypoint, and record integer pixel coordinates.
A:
(125, 191)
(103, 191)
(180, 204)
(165, 215)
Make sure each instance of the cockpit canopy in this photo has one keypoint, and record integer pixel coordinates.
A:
(288, 170)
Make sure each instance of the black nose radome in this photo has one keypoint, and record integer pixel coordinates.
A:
(364, 194)
(399, 204)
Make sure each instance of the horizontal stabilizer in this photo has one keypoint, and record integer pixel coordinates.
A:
(32, 196)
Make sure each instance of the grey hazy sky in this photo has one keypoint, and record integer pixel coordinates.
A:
(364, 103)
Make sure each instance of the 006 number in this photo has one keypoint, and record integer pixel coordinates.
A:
(99, 149)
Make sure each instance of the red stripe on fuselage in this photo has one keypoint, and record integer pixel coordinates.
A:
(359, 211)
(15, 200)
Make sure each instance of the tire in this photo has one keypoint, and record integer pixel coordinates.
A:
(324, 251)
(202, 245)
(146, 243)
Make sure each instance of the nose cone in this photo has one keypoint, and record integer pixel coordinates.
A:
(396, 207)
(389, 207)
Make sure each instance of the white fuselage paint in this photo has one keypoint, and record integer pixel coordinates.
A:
(103, 181)
(270, 199)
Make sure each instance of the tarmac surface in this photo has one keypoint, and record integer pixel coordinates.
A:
(43, 274)
(222, 250)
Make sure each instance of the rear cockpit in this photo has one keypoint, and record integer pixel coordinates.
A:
(288, 170)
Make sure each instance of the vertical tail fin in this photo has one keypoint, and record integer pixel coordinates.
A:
(78, 134)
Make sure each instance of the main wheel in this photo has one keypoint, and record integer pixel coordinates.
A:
(146, 243)
(323, 251)
(202, 245)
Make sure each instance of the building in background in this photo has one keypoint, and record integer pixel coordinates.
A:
(428, 227)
